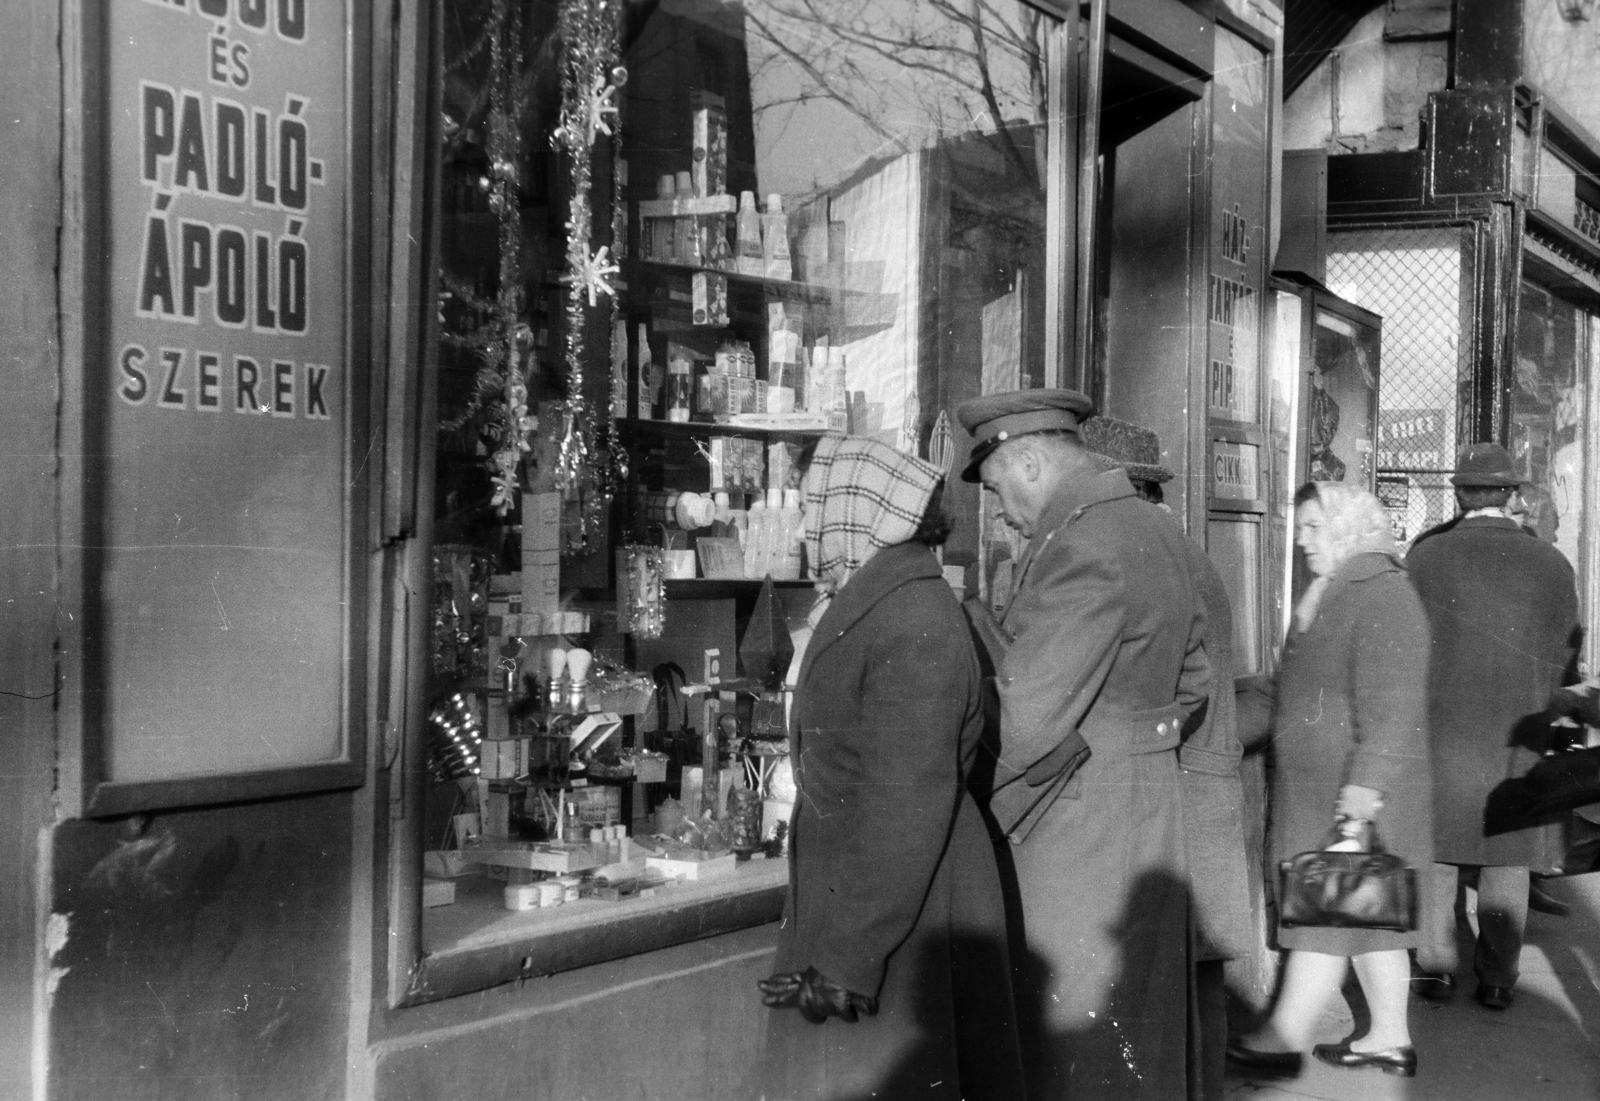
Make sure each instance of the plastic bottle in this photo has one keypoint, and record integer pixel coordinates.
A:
(648, 379)
(680, 388)
(749, 257)
(776, 263)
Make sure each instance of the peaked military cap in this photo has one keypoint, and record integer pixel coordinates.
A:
(995, 418)
(1485, 464)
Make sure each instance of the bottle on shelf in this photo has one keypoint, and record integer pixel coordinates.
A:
(680, 386)
(748, 258)
(578, 677)
(555, 688)
(776, 263)
(649, 376)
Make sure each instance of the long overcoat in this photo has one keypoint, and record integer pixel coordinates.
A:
(1103, 640)
(1213, 794)
(1504, 615)
(894, 888)
(1351, 708)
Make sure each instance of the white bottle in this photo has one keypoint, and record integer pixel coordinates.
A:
(749, 258)
(776, 263)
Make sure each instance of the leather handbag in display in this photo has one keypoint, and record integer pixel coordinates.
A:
(1350, 890)
(1561, 781)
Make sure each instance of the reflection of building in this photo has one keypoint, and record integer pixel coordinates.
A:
(1462, 180)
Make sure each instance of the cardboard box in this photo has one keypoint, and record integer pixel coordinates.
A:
(504, 760)
(437, 892)
(594, 729)
(705, 868)
(710, 129)
(550, 856)
(687, 241)
(747, 469)
(708, 293)
(497, 729)
(497, 813)
(541, 521)
(541, 581)
(649, 770)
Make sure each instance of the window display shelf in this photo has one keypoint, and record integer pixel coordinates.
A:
(477, 943)
(790, 288)
(700, 428)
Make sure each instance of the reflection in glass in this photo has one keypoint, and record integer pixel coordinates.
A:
(1548, 417)
(1234, 547)
(906, 141)
(1340, 406)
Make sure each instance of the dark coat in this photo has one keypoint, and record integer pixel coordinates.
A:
(1503, 609)
(1352, 708)
(1213, 795)
(1102, 640)
(893, 885)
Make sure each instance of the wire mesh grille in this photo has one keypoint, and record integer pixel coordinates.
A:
(1413, 279)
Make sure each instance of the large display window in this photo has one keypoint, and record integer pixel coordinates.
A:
(1551, 412)
(678, 241)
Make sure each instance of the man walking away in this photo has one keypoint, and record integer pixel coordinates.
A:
(1503, 612)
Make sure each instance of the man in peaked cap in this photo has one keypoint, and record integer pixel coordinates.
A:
(1503, 612)
(1099, 661)
(1214, 828)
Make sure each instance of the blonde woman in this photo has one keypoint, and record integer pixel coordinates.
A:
(1349, 741)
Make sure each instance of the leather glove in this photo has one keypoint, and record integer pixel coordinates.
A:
(820, 998)
(781, 991)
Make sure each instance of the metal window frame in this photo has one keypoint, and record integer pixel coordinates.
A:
(415, 978)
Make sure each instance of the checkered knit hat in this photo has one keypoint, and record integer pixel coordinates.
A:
(861, 496)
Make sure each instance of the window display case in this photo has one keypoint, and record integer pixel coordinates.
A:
(1336, 401)
(680, 241)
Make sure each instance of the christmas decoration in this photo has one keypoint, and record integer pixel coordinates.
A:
(495, 330)
(455, 739)
(594, 274)
(590, 78)
(492, 107)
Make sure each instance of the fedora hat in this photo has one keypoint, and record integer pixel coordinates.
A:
(1485, 464)
(1117, 443)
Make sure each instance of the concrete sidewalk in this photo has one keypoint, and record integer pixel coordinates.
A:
(1547, 1046)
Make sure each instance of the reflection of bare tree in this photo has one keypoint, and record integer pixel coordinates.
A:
(913, 72)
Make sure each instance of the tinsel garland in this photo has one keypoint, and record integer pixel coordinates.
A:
(515, 426)
(590, 81)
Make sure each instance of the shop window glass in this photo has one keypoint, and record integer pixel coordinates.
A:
(1550, 417)
(1235, 549)
(830, 212)
(1238, 449)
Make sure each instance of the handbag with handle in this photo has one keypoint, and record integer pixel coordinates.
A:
(1350, 890)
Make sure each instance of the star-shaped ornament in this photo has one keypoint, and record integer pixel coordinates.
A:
(602, 102)
(593, 274)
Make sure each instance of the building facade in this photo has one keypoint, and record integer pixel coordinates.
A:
(244, 249)
(1460, 181)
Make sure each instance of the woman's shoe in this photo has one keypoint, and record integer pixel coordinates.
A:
(1282, 1064)
(1393, 1060)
